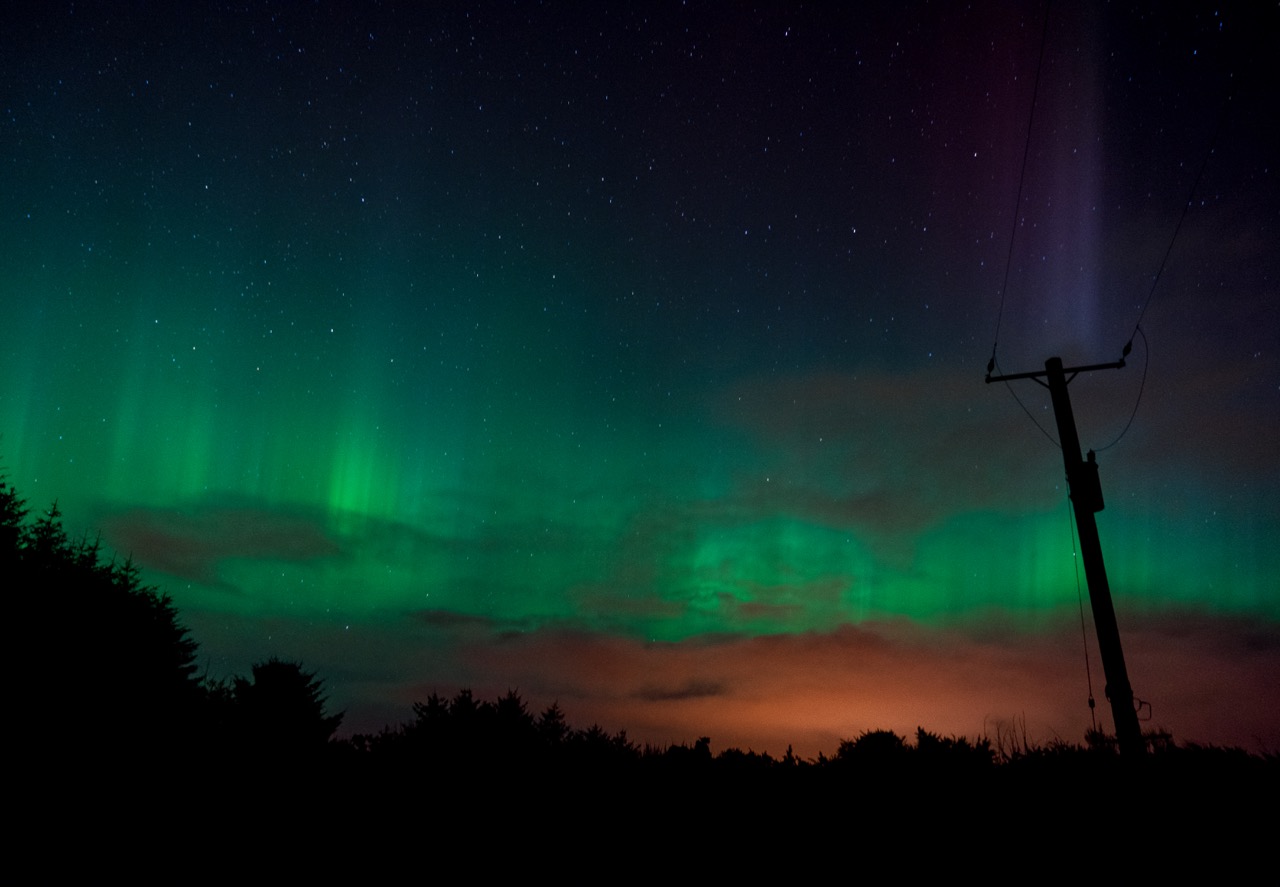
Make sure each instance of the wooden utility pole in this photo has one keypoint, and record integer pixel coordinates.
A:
(1086, 498)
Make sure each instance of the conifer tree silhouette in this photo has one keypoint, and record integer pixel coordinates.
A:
(112, 668)
(282, 710)
(12, 513)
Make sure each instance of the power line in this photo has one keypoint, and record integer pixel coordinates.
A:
(1137, 327)
(1146, 363)
(1022, 178)
(994, 363)
(1186, 208)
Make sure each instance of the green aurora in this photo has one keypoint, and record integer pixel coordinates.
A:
(384, 369)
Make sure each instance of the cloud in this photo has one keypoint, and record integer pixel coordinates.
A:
(191, 543)
(447, 619)
(689, 690)
(458, 623)
(893, 455)
(890, 455)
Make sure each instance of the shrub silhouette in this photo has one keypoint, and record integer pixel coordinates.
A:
(952, 752)
(881, 746)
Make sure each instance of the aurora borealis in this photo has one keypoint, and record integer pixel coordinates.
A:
(633, 359)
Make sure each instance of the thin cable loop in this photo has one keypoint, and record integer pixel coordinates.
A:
(1146, 363)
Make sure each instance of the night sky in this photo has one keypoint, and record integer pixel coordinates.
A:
(634, 359)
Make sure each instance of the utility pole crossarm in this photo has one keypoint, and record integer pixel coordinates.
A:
(1119, 364)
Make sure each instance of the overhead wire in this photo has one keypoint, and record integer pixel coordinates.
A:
(1146, 363)
(1022, 178)
(1186, 208)
(1155, 281)
(994, 362)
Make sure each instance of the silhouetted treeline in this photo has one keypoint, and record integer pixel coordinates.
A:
(463, 733)
(111, 675)
(464, 730)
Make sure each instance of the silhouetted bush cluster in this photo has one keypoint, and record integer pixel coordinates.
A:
(466, 732)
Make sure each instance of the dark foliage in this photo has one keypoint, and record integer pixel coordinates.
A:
(467, 733)
(281, 711)
(113, 670)
(879, 745)
(117, 677)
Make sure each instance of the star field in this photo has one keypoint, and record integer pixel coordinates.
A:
(613, 353)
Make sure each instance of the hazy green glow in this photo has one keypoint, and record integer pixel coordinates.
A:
(555, 346)
(526, 496)
(461, 364)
